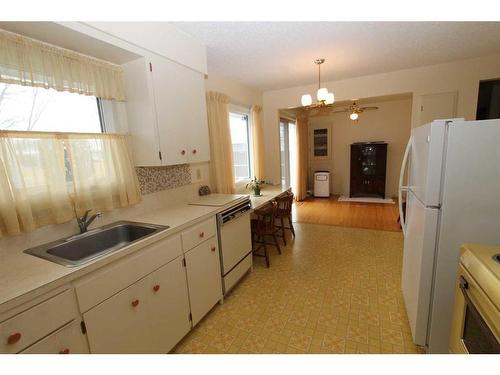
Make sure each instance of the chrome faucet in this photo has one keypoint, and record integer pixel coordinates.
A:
(85, 221)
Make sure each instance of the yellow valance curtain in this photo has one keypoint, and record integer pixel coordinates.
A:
(30, 62)
(48, 178)
(221, 148)
(257, 143)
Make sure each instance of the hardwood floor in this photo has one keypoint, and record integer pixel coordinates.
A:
(347, 214)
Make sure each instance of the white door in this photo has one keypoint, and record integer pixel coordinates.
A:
(168, 305)
(119, 324)
(235, 241)
(204, 278)
(418, 260)
(437, 106)
(426, 157)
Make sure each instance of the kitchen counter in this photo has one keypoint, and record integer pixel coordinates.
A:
(24, 277)
(269, 192)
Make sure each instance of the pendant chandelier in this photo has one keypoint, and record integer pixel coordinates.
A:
(322, 95)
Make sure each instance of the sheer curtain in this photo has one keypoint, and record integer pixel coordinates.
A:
(29, 62)
(33, 187)
(103, 175)
(257, 143)
(221, 148)
(302, 157)
(48, 178)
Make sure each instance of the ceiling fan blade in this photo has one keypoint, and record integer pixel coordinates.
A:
(341, 110)
(368, 108)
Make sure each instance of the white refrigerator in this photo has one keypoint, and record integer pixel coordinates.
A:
(452, 197)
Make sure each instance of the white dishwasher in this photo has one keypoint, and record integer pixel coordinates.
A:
(233, 226)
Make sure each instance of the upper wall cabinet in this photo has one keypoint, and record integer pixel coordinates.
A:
(166, 111)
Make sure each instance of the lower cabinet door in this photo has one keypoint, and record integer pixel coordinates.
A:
(204, 278)
(120, 323)
(66, 340)
(168, 305)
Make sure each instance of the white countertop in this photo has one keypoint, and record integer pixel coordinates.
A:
(24, 277)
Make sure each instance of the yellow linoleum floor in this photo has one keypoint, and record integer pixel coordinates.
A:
(333, 290)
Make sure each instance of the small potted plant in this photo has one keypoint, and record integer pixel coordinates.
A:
(255, 185)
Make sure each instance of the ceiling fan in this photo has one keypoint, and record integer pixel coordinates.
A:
(354, 109)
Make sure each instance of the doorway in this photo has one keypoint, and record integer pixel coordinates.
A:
(288, 152)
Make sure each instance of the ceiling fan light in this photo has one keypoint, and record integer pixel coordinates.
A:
(353, 116)
(322, 94)
(330, 98)
(306, 100)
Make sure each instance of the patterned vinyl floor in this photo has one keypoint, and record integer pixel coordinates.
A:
(333, 290)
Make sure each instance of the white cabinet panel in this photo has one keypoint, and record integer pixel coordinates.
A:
(166, 111)
(204, 278)
(141, 116)
(118, 324)
(31, 325)
(180, 105)
(67, 340)
(168, 305)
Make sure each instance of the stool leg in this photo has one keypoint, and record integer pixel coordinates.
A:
(283, 230)
(276, 243)
(266, 253)
(291, 226)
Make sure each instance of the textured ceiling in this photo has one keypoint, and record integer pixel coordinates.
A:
(273, 55)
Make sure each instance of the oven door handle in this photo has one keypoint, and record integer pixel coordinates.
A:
(464, 287)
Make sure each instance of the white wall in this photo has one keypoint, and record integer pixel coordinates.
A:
(390, 123)
(461, 76)
(239, 93)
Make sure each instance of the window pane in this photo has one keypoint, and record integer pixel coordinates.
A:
(38, 109)
(239, 137)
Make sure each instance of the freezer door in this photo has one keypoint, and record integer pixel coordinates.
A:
(426, 159)
(418, 261)
(470, 212)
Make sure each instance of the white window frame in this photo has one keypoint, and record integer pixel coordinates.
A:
(244, 111)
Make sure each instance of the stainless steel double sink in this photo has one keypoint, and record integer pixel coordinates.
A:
(82, 248)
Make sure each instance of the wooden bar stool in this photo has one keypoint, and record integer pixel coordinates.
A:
(284, 211)
(263, 226)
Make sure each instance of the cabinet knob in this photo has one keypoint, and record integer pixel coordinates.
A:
(213, 248)
(135, 302)
(64, 351)
(183, 152)
(202, 234)
(156, 288)
(194, 151)
(15, 337)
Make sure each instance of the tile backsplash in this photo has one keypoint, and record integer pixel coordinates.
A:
(153, 179)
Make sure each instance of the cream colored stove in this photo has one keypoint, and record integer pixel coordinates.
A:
(476, 315)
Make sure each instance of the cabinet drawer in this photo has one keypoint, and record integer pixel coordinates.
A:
(37, 322)
(67, 340)
(102, 284)
(199, 233)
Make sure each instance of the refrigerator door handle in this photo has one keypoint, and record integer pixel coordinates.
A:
(403, 188)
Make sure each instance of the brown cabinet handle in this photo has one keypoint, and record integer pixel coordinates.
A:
(194, 151)
(202, 234)
(15, 337)
(183, 152)
(64, 351)
(156, 288)
(135, 303)
(213, 248)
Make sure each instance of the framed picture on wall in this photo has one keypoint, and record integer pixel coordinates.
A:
(320, 142)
